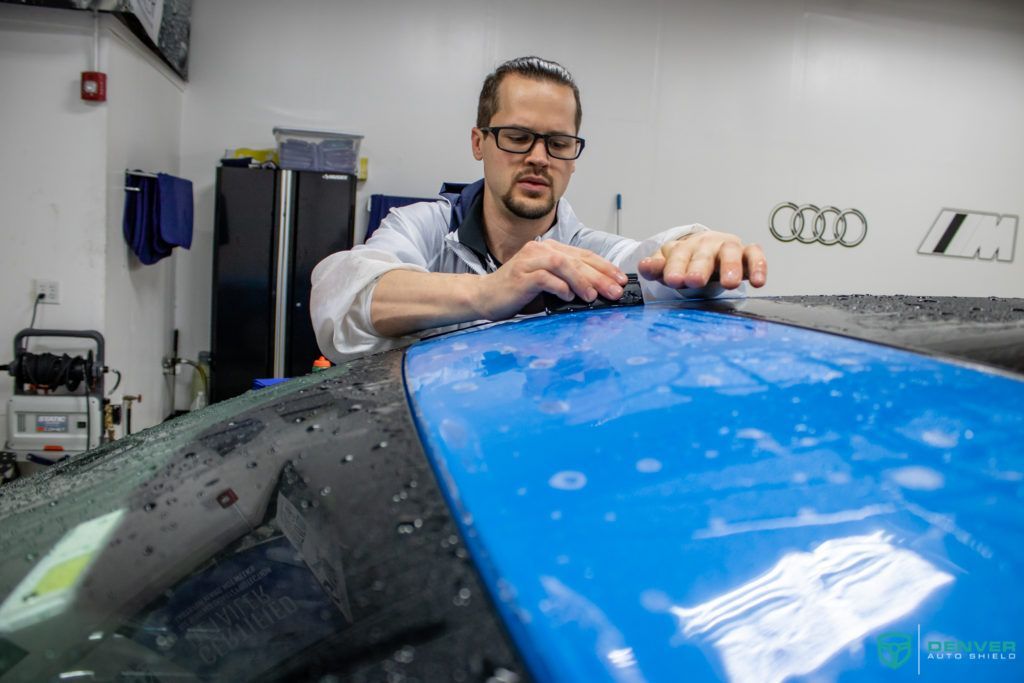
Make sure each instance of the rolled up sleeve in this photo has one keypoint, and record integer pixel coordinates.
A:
(343, 283)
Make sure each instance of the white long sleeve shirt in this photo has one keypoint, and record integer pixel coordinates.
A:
(423, 237)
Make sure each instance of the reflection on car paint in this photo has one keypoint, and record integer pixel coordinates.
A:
(563, 606)
(616, 456)
(810, 606)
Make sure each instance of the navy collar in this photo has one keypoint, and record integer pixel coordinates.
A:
(461, 196)
(468, 218)
(471, 233)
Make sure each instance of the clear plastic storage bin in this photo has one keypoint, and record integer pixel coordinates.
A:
(318, 150)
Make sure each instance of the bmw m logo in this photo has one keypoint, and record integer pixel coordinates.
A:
(971, 234)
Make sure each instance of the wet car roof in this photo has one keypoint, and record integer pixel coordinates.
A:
(659, 490)
(302, 531)
(987, 330)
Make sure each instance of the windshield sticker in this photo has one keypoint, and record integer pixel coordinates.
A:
(50, 587)
(225, 622)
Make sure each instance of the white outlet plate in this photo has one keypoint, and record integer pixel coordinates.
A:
(50, 289)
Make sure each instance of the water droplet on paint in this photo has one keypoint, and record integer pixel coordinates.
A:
(648, 465)
(918, 478)
(939, 439)
(554, 407)
(568, 480)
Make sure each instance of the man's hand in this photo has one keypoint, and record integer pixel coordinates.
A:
(406, 301)
(546, 266)
(690, 261)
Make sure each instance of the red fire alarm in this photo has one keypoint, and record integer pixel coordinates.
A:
(94, 86)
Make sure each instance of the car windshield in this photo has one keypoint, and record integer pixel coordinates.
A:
(293, 532)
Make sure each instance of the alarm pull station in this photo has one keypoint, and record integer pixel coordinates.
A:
(94, 86)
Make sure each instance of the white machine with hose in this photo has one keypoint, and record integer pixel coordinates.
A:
(57, 407)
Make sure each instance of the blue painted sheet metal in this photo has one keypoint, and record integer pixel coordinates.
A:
(660, 493)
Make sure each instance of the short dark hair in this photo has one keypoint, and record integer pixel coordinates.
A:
(530, 67)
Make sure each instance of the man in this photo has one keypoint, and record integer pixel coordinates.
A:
(490, 248)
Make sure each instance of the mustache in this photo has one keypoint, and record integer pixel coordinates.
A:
(534, 174)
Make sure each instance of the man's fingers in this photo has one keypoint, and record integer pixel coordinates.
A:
(586, 281)
(586, 273)
(694, 261)
(542, 265)
(606, 286)
(595, 261)
(757, 265)
(690, 264)
(677, 262)
(547, 282)
(730, 265)
(605, 267)
(652, 267)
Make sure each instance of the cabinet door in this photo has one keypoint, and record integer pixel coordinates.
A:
(323, 223)
(243, 276)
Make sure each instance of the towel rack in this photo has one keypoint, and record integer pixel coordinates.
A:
(138, 173)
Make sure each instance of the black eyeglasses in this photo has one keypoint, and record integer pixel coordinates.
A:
(521, 141)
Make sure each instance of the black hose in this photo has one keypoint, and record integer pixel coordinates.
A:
(35, 307)
(88, 423)
(50, 371)
(117, 383)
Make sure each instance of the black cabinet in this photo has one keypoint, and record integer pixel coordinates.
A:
(271, 228)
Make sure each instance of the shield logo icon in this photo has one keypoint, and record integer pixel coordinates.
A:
(893, 649)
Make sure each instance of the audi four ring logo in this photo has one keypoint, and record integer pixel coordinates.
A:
(828, 225)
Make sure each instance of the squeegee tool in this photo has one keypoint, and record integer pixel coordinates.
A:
(631, 296)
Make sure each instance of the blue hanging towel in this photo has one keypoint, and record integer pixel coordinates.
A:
(381, 205)
(158, 216)
(134, 210)
(175, 198)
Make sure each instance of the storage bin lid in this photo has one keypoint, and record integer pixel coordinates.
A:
(310, 133)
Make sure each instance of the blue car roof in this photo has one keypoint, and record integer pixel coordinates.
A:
(659, 492)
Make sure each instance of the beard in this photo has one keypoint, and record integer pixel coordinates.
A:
(530, 210)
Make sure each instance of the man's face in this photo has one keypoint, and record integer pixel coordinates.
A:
(528, 185)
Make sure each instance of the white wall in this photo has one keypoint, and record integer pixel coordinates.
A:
(62, 193)
(143, 132)
(895, 108)
(698, 110)
(695, 110)
(50, 203)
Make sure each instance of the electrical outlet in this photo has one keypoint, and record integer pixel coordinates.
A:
(50, 289)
